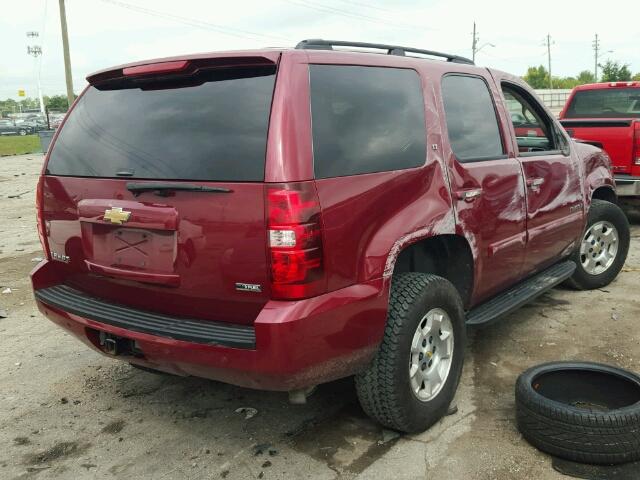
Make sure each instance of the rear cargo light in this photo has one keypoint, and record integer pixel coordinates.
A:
(295, 240)
(42, 229)
(636, 143)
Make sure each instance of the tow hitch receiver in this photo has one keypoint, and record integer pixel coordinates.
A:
(113, 345)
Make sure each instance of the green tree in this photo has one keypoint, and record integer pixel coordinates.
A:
(537, 77)
(57, 103)
(614, 72)
(636, 77)
(586, 76)
(8, 106)
(565, 82)
(29, 103)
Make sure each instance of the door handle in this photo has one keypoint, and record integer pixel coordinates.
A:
(534, 183)
(469, 195)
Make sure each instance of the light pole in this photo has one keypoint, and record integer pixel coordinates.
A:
(65, 51)
(596, 49)
(36, 52)
(474, 43)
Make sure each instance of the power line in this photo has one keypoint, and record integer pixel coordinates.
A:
(366, 5)
(231, 31)
(352, 15)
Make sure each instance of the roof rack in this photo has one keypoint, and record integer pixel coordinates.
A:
(319, 44)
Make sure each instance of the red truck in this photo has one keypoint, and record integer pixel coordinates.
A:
(607, 115)
(277, 219)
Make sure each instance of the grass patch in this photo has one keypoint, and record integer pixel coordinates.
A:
(17, 145)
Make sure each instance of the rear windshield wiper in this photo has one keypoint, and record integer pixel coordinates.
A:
(163, 189)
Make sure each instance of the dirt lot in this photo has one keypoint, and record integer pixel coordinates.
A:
(67, 412)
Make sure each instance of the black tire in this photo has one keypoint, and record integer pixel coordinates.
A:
(553, 414)
(22, 133)
(384, 387)
(601, 210)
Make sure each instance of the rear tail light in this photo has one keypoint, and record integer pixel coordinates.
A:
(636, 143)
(42, 229)
(295, 240)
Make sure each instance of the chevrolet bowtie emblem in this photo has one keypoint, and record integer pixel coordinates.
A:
(116, 215)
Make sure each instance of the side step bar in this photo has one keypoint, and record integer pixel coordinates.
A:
(513, 298)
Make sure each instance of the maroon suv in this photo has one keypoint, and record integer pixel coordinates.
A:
(277, 219)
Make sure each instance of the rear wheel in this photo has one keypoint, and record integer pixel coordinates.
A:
(22, 133)
(603, 247)
(415, 373)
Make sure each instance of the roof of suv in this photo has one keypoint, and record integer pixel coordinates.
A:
(306, 48)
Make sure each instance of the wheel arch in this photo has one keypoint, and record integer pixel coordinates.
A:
(448, 256)
(606, 193)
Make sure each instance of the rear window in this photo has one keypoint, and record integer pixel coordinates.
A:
(366, 119)
(209, 126)
(471, 118)
(605, 103)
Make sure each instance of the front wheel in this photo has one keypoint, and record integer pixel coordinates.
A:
(603, 247)
(415, 373)
(22, 133)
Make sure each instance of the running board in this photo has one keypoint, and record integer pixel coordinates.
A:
(516, 296)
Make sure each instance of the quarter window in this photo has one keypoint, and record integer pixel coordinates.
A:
(471, 118)
(366, 119)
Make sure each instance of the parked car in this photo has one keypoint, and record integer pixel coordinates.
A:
(278, 219)
(8, 127)
(34, 124)
(55, 120)
(607, 115)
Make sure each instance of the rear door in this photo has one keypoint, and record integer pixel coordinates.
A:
(555, 213)
(154, 194)
(486, 181)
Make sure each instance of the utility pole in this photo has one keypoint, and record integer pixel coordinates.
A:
(67, 57)
(36, 51)
(474, 43)
(596, 49)
(548, 42)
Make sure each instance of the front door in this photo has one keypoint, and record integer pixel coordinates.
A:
(555, 213)
(486, 182)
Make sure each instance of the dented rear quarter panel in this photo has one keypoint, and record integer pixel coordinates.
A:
(369, 218)
(596, 171)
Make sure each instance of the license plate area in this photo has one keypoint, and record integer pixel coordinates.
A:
(135, 248)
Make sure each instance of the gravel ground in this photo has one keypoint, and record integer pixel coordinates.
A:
(68, 412)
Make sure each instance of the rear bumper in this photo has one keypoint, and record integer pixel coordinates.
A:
(627, 186)
(296, 344)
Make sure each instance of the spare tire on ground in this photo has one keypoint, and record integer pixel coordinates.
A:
(581, 411)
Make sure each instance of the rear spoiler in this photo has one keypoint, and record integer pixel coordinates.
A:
(179, 66)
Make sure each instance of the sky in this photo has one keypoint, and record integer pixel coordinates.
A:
(104, 33)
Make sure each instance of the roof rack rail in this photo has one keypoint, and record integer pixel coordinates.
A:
(319, 44)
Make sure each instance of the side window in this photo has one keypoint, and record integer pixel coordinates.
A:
(471, 118)
(536, 134)
(366, 119)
